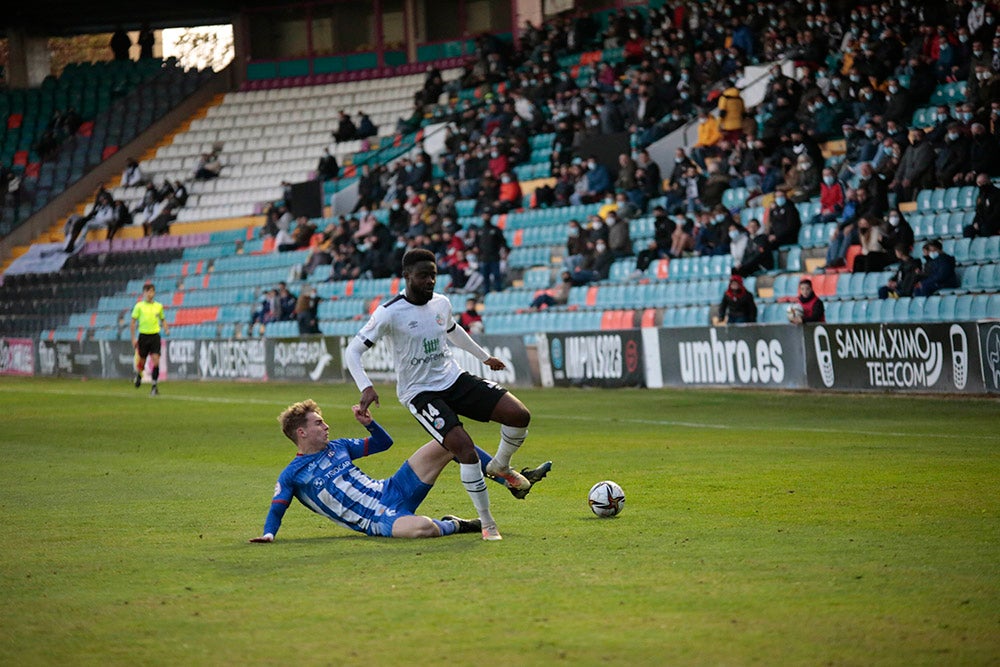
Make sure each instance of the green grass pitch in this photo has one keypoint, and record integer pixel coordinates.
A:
(760, 528)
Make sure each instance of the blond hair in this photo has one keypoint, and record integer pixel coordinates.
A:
(295, 417)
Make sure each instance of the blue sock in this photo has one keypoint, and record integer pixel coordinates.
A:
(446, 527)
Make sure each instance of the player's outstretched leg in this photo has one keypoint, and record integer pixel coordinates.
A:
(533, 475)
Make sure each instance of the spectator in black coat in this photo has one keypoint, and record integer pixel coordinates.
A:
(758, 254)
(939, 271)
(346, 131)
(902, 281)
(952, 157)
(987, 219)
(785, 221)
(327, 169)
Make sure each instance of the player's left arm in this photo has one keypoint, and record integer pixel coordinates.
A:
(460, 338)
(379, 441)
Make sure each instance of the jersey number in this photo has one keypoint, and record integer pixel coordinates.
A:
(429, 412)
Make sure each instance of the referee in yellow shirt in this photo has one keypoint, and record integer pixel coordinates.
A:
(148, 315)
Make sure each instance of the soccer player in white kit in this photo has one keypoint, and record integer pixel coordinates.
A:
(433, 387)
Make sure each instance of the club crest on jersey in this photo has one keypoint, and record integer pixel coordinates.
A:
(439, 318)
(438, 424)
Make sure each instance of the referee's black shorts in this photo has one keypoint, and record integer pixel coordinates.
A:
(148, 344)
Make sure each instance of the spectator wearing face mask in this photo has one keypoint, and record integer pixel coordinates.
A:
(951, 158)
(510, 192)
(897, 230)
(938, 272)
(598, 181)
(898, 103)
(831, 198)
(596, 264)
(903, 278)
(916, 168)
(784, 221)
(619, 236)
(709, 135)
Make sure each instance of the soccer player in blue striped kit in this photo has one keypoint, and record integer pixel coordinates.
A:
(325, 479)
(436, 391)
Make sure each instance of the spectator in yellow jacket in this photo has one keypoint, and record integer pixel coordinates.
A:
(731, 112)
(708, 138)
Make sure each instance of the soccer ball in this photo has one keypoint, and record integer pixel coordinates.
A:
(795, 312)
(606, 499)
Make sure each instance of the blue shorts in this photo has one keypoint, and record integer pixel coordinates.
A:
(401, 495)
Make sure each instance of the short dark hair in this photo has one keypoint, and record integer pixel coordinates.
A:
(415, 256)
(148, 286)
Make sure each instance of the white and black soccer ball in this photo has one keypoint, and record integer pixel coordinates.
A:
(606, 499)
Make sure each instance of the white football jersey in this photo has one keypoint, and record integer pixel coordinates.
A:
(419, 337)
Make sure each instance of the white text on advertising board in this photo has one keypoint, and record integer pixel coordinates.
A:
(589, 357)
(894, 357)
(714, 361)
(233, 359)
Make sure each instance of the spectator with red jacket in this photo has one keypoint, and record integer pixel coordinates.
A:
(808, 307)
(831, 198)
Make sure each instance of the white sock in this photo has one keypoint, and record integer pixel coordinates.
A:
(511, 439)
(475, 485)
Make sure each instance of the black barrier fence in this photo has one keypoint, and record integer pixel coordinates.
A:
(961, 357)
(736, 356)
(895, 357)
(989, 352)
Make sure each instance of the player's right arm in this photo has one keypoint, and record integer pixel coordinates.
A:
(357, 347)
(131, 325)
(279, 505)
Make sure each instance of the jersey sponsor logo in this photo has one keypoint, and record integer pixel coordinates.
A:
(714, 361)
(433, 350)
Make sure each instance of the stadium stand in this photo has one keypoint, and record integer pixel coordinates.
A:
(217, 277)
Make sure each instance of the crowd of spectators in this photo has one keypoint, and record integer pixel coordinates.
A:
(862, 72)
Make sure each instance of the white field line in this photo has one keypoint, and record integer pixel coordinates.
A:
(13, 389)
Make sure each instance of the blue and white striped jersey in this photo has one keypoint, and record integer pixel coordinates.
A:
(329, 484)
